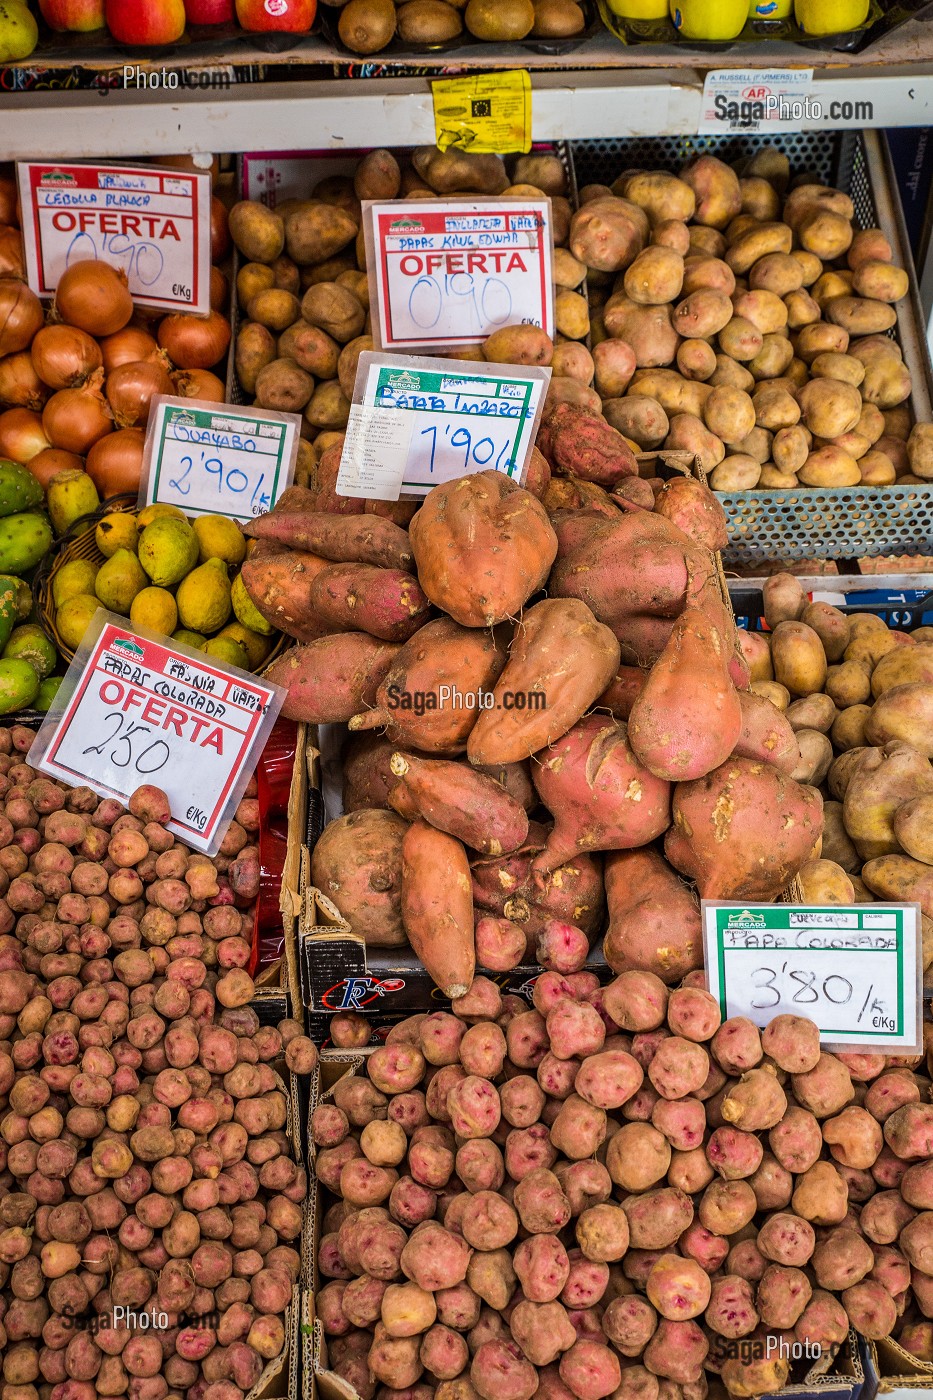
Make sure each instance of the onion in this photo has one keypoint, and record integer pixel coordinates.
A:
(195, 342)
(19, 384)
(21, 315)
(115, 463)
(220, 231)
(8, 200)
(52, 460)
(220, 290)
(21, 435)
(94, 296)
(199, 384)
(131, 388)
(74, 419)
(126, 346)
(12, 255)
(63, 356)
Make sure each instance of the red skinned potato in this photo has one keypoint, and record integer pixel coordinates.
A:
(468, 805)
(654, 918)
(687, 719)
(385, 603)
(743, 831)
(482, 546)
(766, 736)
(357, 863)
(559, 652)
(331, 679)
(437, 906)
(601, 797)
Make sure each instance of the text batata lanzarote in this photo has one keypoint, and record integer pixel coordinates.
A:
(154, 225)
(143, 712)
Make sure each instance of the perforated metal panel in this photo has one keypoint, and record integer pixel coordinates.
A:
(807, 522)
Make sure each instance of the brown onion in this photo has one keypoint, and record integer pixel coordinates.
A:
(220, 290)
(21, 435)
(126, 346)
(220, 231)
(20, 386)
(63, 356)
(21, 315)
(74, 419)
(115, 464)
(131, 389)
(8, 213)
(12, 254)
(195, 342)
(199, 384)
(94, 296)
(52, 460)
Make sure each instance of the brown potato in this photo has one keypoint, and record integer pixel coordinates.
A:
(546, 172)
(815, 711)
(738, 472)
(920, 451)
(717, 191)
(607, 234)
(869, 245)
(253, 277)
(880, 281)
(764, 309)
(689, 434)
(706, 242)
(671, 233)
(829, 466)
(334, 309)
(702, 314)
(639, 418)
(779, 273)
(832, 628)
(741, 339)
(757, 242)
(729, 414)
(647, 329)
(759, 197)
(802, 310)
(825, 233)
(860, 315)
(825, 882)
(887, 382)
(614, 365)
(848, 731)
(258, 232)
(377, 176)
(773, 479)
(567, 270)
(774, 359)
(283, 385)
(655, 277)
(778, 694)
(703, 273)
(518, 345)
(729, 372)
(329, 408)
(790, 448)
(674, 394)
(798, 658)
(832, 365)
(816, 755)
(571, 314)
(775, 408)
(876, 469)
(829, 407)
(696, 359)
(314, 230)
(757, 445)
(662, 195)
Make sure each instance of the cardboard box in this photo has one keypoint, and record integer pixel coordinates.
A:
(890, 1370)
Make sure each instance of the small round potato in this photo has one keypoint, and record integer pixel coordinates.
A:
(829, 466)
(738, 472)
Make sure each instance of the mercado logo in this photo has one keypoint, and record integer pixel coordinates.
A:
(123, 646)
(406, 226)
(353, 993)
(746, 920)
(58, 177)
(405, 381)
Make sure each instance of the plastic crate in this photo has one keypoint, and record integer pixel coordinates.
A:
(813, 522)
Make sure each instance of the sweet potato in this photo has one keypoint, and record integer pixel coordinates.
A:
(586, 446)
(766, 735)
(468, 805)
(357, 863)
(601, 796)
(561, 654)
(654, 918)
(437, 906)
(384, 603)
(332, 679)
(364, 540)
(429, 696)
(279, 586)
(695, 510)
(482, 545)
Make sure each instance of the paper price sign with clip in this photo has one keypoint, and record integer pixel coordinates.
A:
(137, 708)
(417, 422)
(446, 273)
(213, 459)
(154, 225)
(854, 970)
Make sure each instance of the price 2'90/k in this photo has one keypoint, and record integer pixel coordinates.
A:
(228, 481)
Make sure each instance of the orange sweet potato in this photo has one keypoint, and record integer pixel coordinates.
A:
(506, 887)
(482, 545)
(688, 717)
(332, 678)
(279, 586)
(560, 660)
(622, 691)
(429, 697)
(342, 539)
(766, 735)
(437, 906)
(654, 918)
(468, 805)
(695, 509)
(743, 831)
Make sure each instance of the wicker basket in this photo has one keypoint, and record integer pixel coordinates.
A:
(80, 543)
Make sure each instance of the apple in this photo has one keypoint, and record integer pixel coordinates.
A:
(209, 11)
(145, 22)
(288, 16)
(74, 16)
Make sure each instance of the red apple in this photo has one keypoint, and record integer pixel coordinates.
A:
(209, 11)
(290, 16)
(77, 16)
(145, 22)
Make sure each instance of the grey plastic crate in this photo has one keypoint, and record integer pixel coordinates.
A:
(812, 522)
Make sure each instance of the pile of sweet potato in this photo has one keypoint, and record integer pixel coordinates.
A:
(745, 318)
(858, 697)
(150, 1202)
(607, 1194)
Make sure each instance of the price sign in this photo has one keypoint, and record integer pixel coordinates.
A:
(135, 708)
(446, 273)
(209, 459)
(418, 422)
(854, 969)
(484, 112)
(777, 99)
(155, 225)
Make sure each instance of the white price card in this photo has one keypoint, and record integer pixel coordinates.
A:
(155, 225)
(853, 969)
(138, 708)
(213, 459)
(418, 422)
(746, 99)
(445, 273)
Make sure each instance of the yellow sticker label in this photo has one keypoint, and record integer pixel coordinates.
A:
(487, 112)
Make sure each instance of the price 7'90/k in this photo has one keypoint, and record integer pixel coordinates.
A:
(228, 479)
(481, 452)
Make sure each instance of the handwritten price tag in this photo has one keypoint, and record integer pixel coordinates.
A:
(135, 709)
(213, 460)
(446, 273)
(155, 225)
(855, 969)
(417, 422)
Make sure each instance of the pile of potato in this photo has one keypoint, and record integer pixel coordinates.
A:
(304, 294)
(150, 1202)
(744, 319)
(858, 697)
(616, 1194)
(366, 26)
